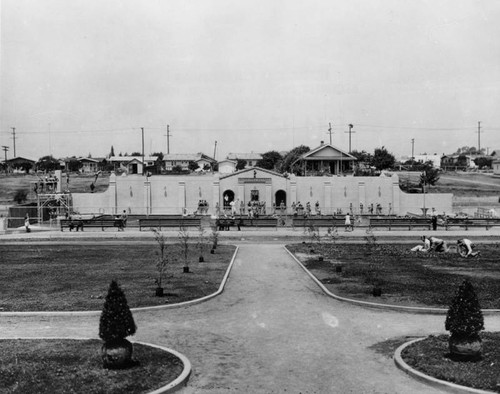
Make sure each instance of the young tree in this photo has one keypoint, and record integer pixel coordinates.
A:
(429, 175)
(184, 246)
(193, 166)
(116, 323)
(112, 152)
(162, 262)
(382, 159)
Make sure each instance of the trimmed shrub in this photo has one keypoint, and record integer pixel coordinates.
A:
(465, 318)
(116, 322)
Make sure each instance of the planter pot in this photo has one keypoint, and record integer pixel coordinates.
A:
(212, 251)
(338, 268)
(159, 292)
(377, 291)
(465, 348)
(116, 354)
(186, 270)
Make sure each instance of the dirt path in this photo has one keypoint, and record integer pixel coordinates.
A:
(272, 330)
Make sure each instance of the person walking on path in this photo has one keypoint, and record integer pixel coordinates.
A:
(348, 224)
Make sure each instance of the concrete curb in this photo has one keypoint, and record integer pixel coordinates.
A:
(171, 387)
(397, 308)
(140, 309)
(431, 381)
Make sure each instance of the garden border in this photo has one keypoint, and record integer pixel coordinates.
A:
(139, 309)
(432, 381)
(397, 308)
(171, 387)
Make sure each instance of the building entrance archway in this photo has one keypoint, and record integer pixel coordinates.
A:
(227, 198)
(280, 197)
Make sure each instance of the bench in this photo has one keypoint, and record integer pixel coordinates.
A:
(319, 222)
(408, 223)
(169, 222)
(227, 223)
(80, 224)
(471, 223)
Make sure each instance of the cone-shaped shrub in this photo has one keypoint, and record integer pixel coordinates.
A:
(465, 318)
(116, 321)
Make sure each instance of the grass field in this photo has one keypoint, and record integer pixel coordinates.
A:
(76, 277)
(60, 366)
(406, 278)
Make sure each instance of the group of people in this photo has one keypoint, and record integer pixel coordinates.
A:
(465, 246)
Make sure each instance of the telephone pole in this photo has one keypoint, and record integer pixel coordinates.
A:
(142, 130)
(350, 132)
(479, 137)
(5, 149)
(168, 139)
(215, 149)
(412, 146)
(14, 138)
(330, 132)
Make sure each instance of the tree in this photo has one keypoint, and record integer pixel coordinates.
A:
(112, 153)
(362, 156)
(116, 323)
(240, 164)
(74, 164)
(287, 163)
(184, 246)
(47, 163)
(382, 159)
(429, 175)
(162, 262)
(483, 162)
(158, 161)
(135, 154)
(465, 320)
(270, 160)
(177, 169)
(193, 166)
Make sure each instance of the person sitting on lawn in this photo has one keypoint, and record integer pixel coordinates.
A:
(438, 245)
(465, 247)
(422, 248)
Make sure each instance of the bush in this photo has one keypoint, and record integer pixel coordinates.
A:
(20, 196)
(116, 321)
(465, 318)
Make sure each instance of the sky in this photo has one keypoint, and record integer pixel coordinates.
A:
(80, 76)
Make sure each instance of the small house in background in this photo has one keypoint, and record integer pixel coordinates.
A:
(227, 166)
(457, 162)
(251, 158)
(19, 165)
(435, 159)
(326, 159)
(182, 160)
(89, 165)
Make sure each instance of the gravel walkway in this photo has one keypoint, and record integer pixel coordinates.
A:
(271, 331)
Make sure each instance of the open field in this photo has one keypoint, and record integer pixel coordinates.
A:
(76, 277)
(57, 366)
(406, 278)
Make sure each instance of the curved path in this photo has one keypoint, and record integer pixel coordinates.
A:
(271, 331)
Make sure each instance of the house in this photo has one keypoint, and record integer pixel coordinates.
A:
(19, 165)
(496, 166)
(435, 159)
(89, 165)
(131, 164)
(251, 158)
(227, 166)
(457, 162)
(183, 159)
(326, 159)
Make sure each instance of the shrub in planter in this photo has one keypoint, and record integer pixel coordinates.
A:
(465, 320)
(116, 323)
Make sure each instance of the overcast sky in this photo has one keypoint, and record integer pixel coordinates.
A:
(79, 76)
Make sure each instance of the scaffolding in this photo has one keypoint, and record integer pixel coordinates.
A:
(54, 205)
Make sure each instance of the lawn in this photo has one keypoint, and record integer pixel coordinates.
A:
(431, 357)
(74, 366)
(66, 277)
(405, 277)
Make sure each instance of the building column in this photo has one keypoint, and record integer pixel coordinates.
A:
(396, 193)
(112, 193)
(293, 192)
(215, 196)
(182, 196)
(327, 203)
(269, 197)
(362, 196)
(147, 196)
(241, 193)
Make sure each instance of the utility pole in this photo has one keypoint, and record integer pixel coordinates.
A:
(330, 132)
(412, 147)
(350, 132)
(215, 149)
(142, 129)
(168, 139)
(479, 137)
(5, 149)
(14, 138)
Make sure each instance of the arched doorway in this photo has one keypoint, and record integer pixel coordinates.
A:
(280, 196)
(227, 197)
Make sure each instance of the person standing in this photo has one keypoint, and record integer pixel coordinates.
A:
(434, 222)
(348, 224)
(27, 223)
